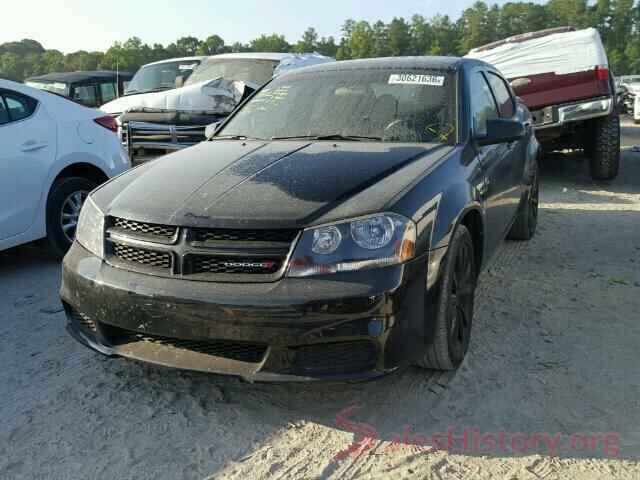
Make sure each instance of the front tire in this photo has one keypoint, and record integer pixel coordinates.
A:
(605, 159)
(455, 306)
(63, 210)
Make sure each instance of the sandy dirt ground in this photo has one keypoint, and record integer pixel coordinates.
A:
(555, 350)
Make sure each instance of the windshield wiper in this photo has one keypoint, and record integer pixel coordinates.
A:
(148, 90)
(334, 136)
(235, 137)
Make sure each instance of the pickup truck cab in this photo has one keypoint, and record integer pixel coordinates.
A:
(153, 77)
(160, 122)
(563, 76)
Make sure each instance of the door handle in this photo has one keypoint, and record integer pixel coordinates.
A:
(32, 145)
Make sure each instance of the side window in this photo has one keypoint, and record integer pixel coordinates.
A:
(483, 106)
(503, 97)
(107, 92)
(86, 95)
(4, 114)
(19, 106)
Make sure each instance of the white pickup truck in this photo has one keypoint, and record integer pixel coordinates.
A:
(159, 122)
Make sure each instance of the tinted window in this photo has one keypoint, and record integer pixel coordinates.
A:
(482, 104)
(4, 115)
(384, 105)
(503, 97)
(86, 95)
(20, 106)
(108, 92)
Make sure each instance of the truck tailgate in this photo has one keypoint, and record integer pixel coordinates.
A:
(545, 89)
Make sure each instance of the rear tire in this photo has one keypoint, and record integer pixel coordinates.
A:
(63, 208)
(452, 330)
(605, 159)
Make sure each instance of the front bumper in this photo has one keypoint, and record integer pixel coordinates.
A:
(340, 327)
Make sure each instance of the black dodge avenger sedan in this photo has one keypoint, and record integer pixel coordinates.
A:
(332, 228)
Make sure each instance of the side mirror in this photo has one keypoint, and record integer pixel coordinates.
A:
(500, 130)
(211, 129)
(179, 81)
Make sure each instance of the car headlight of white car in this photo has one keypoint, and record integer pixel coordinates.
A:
(372, 241)
(90, 230)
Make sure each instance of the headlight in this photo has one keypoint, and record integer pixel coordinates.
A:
(90, 230)
(373, 241)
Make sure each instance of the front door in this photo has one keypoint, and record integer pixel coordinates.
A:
(495, 160)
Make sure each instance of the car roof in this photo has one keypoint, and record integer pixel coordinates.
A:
(397, 63)
(177, 59)
(79, 76)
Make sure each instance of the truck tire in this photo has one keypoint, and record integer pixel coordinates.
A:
(605, 159)
(63, 208)
(452, 330)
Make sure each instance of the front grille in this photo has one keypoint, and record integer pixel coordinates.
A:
(197, 264)
(244, 352)
(346, 357)
(141, 256)
(151, 229)
(234, 255)
(237, 235)
(163, 137)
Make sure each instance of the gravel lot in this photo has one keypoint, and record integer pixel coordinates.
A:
(555, 349)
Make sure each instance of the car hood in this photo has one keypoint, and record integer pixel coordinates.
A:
(281, 184)
(217, 96)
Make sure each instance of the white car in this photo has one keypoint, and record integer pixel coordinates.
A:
(636, 109)
(53, 152)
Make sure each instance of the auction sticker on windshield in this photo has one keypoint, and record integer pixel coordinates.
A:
(416, 79)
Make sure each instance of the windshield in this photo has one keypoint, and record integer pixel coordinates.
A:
(55, 87)
(256, 72)
(161, 76)
(384, 105)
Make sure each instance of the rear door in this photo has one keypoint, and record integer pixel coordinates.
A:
(28, 147)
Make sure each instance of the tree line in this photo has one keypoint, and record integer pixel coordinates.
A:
(618, 22)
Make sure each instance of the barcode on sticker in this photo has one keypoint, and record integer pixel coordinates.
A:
(416, 79)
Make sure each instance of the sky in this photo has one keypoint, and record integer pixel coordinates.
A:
(70, 25)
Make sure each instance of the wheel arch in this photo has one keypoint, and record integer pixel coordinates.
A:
(473, 221)
(78, 169)
(84, 170)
